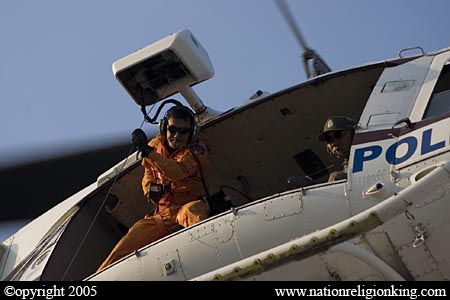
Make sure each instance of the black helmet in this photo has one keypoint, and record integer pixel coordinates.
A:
(337, 123)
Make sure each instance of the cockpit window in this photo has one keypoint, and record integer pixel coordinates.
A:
(440, 99)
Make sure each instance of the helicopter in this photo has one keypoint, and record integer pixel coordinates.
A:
(386, 221)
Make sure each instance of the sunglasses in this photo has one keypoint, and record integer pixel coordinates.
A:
(334, 135)
(173, 129)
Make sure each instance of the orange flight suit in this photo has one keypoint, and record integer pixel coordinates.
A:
(182, 204)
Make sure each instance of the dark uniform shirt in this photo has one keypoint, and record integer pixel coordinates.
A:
(338, 175)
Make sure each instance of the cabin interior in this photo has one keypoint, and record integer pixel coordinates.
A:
(254, 152)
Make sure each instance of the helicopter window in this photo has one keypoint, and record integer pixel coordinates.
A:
(311, 164)
(440, 99)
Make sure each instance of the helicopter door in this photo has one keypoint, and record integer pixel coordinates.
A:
(384, 118)
(393, 129)
(430, 117)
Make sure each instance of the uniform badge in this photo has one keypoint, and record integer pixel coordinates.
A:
(330, 123)
(198, 149)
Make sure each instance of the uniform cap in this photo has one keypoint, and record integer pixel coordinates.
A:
(336, 123)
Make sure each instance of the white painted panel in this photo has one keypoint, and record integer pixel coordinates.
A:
(394, 94)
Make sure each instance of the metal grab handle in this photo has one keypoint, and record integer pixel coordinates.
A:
(407, 49)
(374, 189)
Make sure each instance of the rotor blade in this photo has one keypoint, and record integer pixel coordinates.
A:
(314, 65)
(291, 22)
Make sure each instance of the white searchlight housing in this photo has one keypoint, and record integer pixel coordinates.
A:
(166, 67)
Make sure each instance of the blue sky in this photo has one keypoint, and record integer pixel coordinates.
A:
(58, 93)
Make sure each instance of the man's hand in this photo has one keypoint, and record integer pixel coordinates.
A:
(139, 141)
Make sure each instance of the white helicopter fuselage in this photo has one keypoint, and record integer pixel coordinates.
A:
(387, 221)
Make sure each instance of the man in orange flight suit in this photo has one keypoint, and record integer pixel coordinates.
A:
(174, 179)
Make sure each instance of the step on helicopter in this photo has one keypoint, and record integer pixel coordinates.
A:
(274, 212)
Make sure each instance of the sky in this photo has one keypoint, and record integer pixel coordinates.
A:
(58, 93)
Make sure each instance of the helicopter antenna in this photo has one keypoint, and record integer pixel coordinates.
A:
(313, 63)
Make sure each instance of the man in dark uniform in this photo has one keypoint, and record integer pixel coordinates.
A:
(338, 132)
